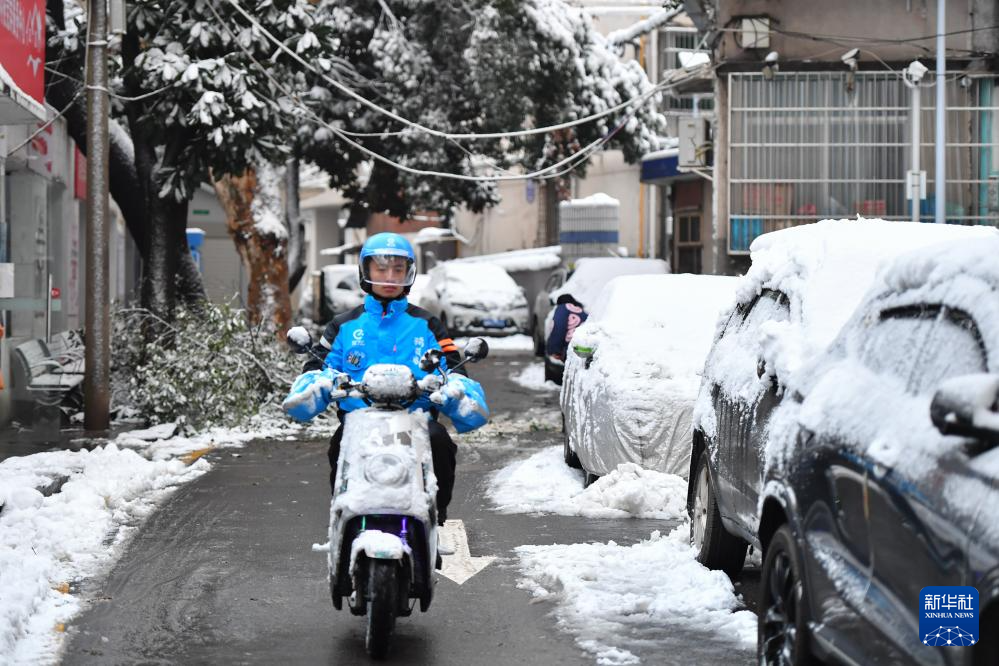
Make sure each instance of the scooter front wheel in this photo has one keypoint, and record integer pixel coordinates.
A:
(383, 603)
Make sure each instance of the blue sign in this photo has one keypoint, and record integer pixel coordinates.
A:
(948, 615)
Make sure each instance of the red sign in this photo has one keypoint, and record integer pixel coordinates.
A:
(56, 293)
(79, 174)
(22, 47)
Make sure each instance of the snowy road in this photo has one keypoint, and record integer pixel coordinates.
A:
(225, 572)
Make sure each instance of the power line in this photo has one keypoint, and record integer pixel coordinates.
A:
(550, 171)
(428, 130)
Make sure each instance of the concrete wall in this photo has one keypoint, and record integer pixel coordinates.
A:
(510, 225)
(880, 20)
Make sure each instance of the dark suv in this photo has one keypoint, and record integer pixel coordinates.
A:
(803, 285)
(882, 472)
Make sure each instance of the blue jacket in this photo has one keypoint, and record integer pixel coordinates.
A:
(400, 333)
(566, 319)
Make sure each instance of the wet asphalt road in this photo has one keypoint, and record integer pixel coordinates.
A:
(224, 573)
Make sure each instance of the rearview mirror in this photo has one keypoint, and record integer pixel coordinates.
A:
(476, 350)
(968, 406)
(299, 340)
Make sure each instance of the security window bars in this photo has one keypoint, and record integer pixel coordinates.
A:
(807, 146)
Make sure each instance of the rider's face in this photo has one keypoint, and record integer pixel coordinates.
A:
(391, 270)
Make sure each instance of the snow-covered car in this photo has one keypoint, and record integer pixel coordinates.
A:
(475, 299)
(341, 288)
(633, 370)
(882, 473)
(803, 285)
(589, 276)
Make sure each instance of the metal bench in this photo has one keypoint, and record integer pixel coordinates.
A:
(46, 378)
(67, 348)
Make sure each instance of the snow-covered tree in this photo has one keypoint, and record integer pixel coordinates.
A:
(197, 87)
(207, 96)
(475, 66)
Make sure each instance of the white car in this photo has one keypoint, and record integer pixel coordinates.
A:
(589, 276)
(633, 370)
(341, 288)
(475, 299)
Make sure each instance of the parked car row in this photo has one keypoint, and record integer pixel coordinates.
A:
(470, 298)
(846, 425)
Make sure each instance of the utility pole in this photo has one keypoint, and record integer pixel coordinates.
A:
(940, 177)
(97, 375)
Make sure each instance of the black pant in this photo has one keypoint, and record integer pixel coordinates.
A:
(444, 452)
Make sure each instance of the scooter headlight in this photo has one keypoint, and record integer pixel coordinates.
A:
(386, 469)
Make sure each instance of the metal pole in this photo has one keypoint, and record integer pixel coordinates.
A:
(916, 130)
(96, 378)
(48, 312)
(940, 175)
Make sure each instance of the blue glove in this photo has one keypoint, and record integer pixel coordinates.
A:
(463, 401)
(313, 392)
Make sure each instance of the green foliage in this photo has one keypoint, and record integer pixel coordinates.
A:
(206, 368)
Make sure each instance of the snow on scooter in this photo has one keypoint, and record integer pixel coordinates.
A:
(383, 516)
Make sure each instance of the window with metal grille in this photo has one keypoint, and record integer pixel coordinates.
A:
(806, 146)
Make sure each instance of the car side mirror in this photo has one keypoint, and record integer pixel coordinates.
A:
(299, 340)
(968, 406)
(476, 350)
(586, 353)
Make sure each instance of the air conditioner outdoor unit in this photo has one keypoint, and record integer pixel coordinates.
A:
(693, 143)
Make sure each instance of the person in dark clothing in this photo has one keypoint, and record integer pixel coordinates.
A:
(567, 317)
(387, 329)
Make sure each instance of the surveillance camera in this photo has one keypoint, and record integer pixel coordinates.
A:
(916, 70)
(772, 57)
(850, 55)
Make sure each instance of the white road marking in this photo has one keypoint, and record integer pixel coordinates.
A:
(461, 566)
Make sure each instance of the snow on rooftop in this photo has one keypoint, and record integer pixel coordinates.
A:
(591, 274)
(614, 599)
(532, 259)
(597, 199)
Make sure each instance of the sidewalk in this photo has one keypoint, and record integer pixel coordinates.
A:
(18, 441)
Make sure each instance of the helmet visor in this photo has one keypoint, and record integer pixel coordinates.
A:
(389, 270)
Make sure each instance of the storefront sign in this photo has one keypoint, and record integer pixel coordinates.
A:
(22, 52)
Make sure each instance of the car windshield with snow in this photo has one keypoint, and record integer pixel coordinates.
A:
(589, 276)
(475, 298)
(881, 472)
(633, 371)
(803, 285)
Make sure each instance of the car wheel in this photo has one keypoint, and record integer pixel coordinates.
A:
(783, 636)
(539, 339)
(571, 459)
(716, 548)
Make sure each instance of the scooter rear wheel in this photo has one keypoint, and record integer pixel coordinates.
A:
(383, 603)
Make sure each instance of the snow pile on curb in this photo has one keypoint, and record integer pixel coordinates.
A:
(543, 483)
(519, 342)
(533, 377)
(49, 543)
(92, 502)
(653, 593)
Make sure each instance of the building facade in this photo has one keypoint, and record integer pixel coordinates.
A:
(814, 117)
